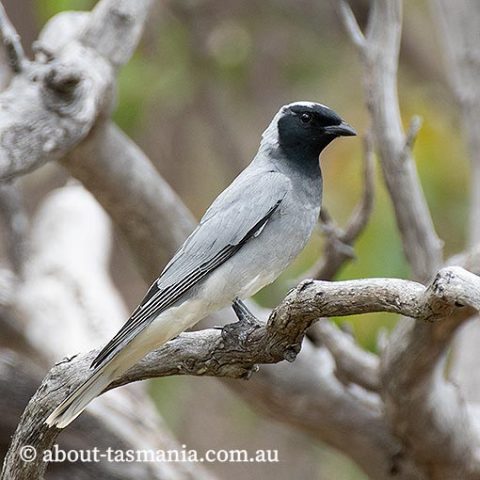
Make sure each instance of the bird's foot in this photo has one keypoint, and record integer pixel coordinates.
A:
(238, 332)
(244, 314)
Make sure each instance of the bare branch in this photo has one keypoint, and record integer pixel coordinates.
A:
(427, 412)
(115, 28)
(11, 43)
(339, 243)
(360, 216)
(379, 61)
(344, 417)
(464, 371)
(422, 407)
(411, 135)
(458, 24)
(353, 364)
(67, 273)
(335, 253)
(127, 185)
(77, 83)
(351, 25)
(67, 276)
(211, 352)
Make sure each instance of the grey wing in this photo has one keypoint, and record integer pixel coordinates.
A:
(236, 216)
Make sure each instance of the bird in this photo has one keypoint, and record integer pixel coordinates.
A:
(249, 235)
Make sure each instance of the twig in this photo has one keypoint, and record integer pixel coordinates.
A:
(115, 28)
(339, 243)
(361, 215)
(379, 61)
(351, 24)
(411, 136)
(11, 43)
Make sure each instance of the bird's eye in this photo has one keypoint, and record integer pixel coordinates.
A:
(306, 117)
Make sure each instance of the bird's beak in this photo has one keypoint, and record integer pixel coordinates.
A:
(342, 130)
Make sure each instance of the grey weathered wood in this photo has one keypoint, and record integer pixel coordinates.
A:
(459, 33)
(151, 217)
(52, 105)
(236, 354)
(352, 363)
(413, 361)
(68, 293)
(378, 50)
(458, 25)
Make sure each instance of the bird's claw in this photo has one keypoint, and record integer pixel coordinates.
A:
(238, 332)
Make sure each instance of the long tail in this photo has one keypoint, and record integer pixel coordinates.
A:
(102, 375)
(77, 401)
(120, 358)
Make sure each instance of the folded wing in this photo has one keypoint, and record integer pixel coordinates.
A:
(237, 215)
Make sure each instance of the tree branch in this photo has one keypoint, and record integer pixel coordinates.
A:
(211, 352)
(351, 25)
(426, 411)
(458, 25)
(11, 43)
(379, 60)
(76, 84)
(353, 363)
(68, 294)
(339, 242)
(151, 217)
(115, 28)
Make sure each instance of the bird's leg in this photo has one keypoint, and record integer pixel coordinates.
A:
(243, 313)
(247, 322)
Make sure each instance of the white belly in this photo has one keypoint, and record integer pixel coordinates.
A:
(168, 325)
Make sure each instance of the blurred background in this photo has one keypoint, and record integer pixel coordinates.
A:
(204, 83)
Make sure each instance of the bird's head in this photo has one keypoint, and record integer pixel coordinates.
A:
(306, 128)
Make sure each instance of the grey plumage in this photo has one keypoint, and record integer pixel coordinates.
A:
(248, 236)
